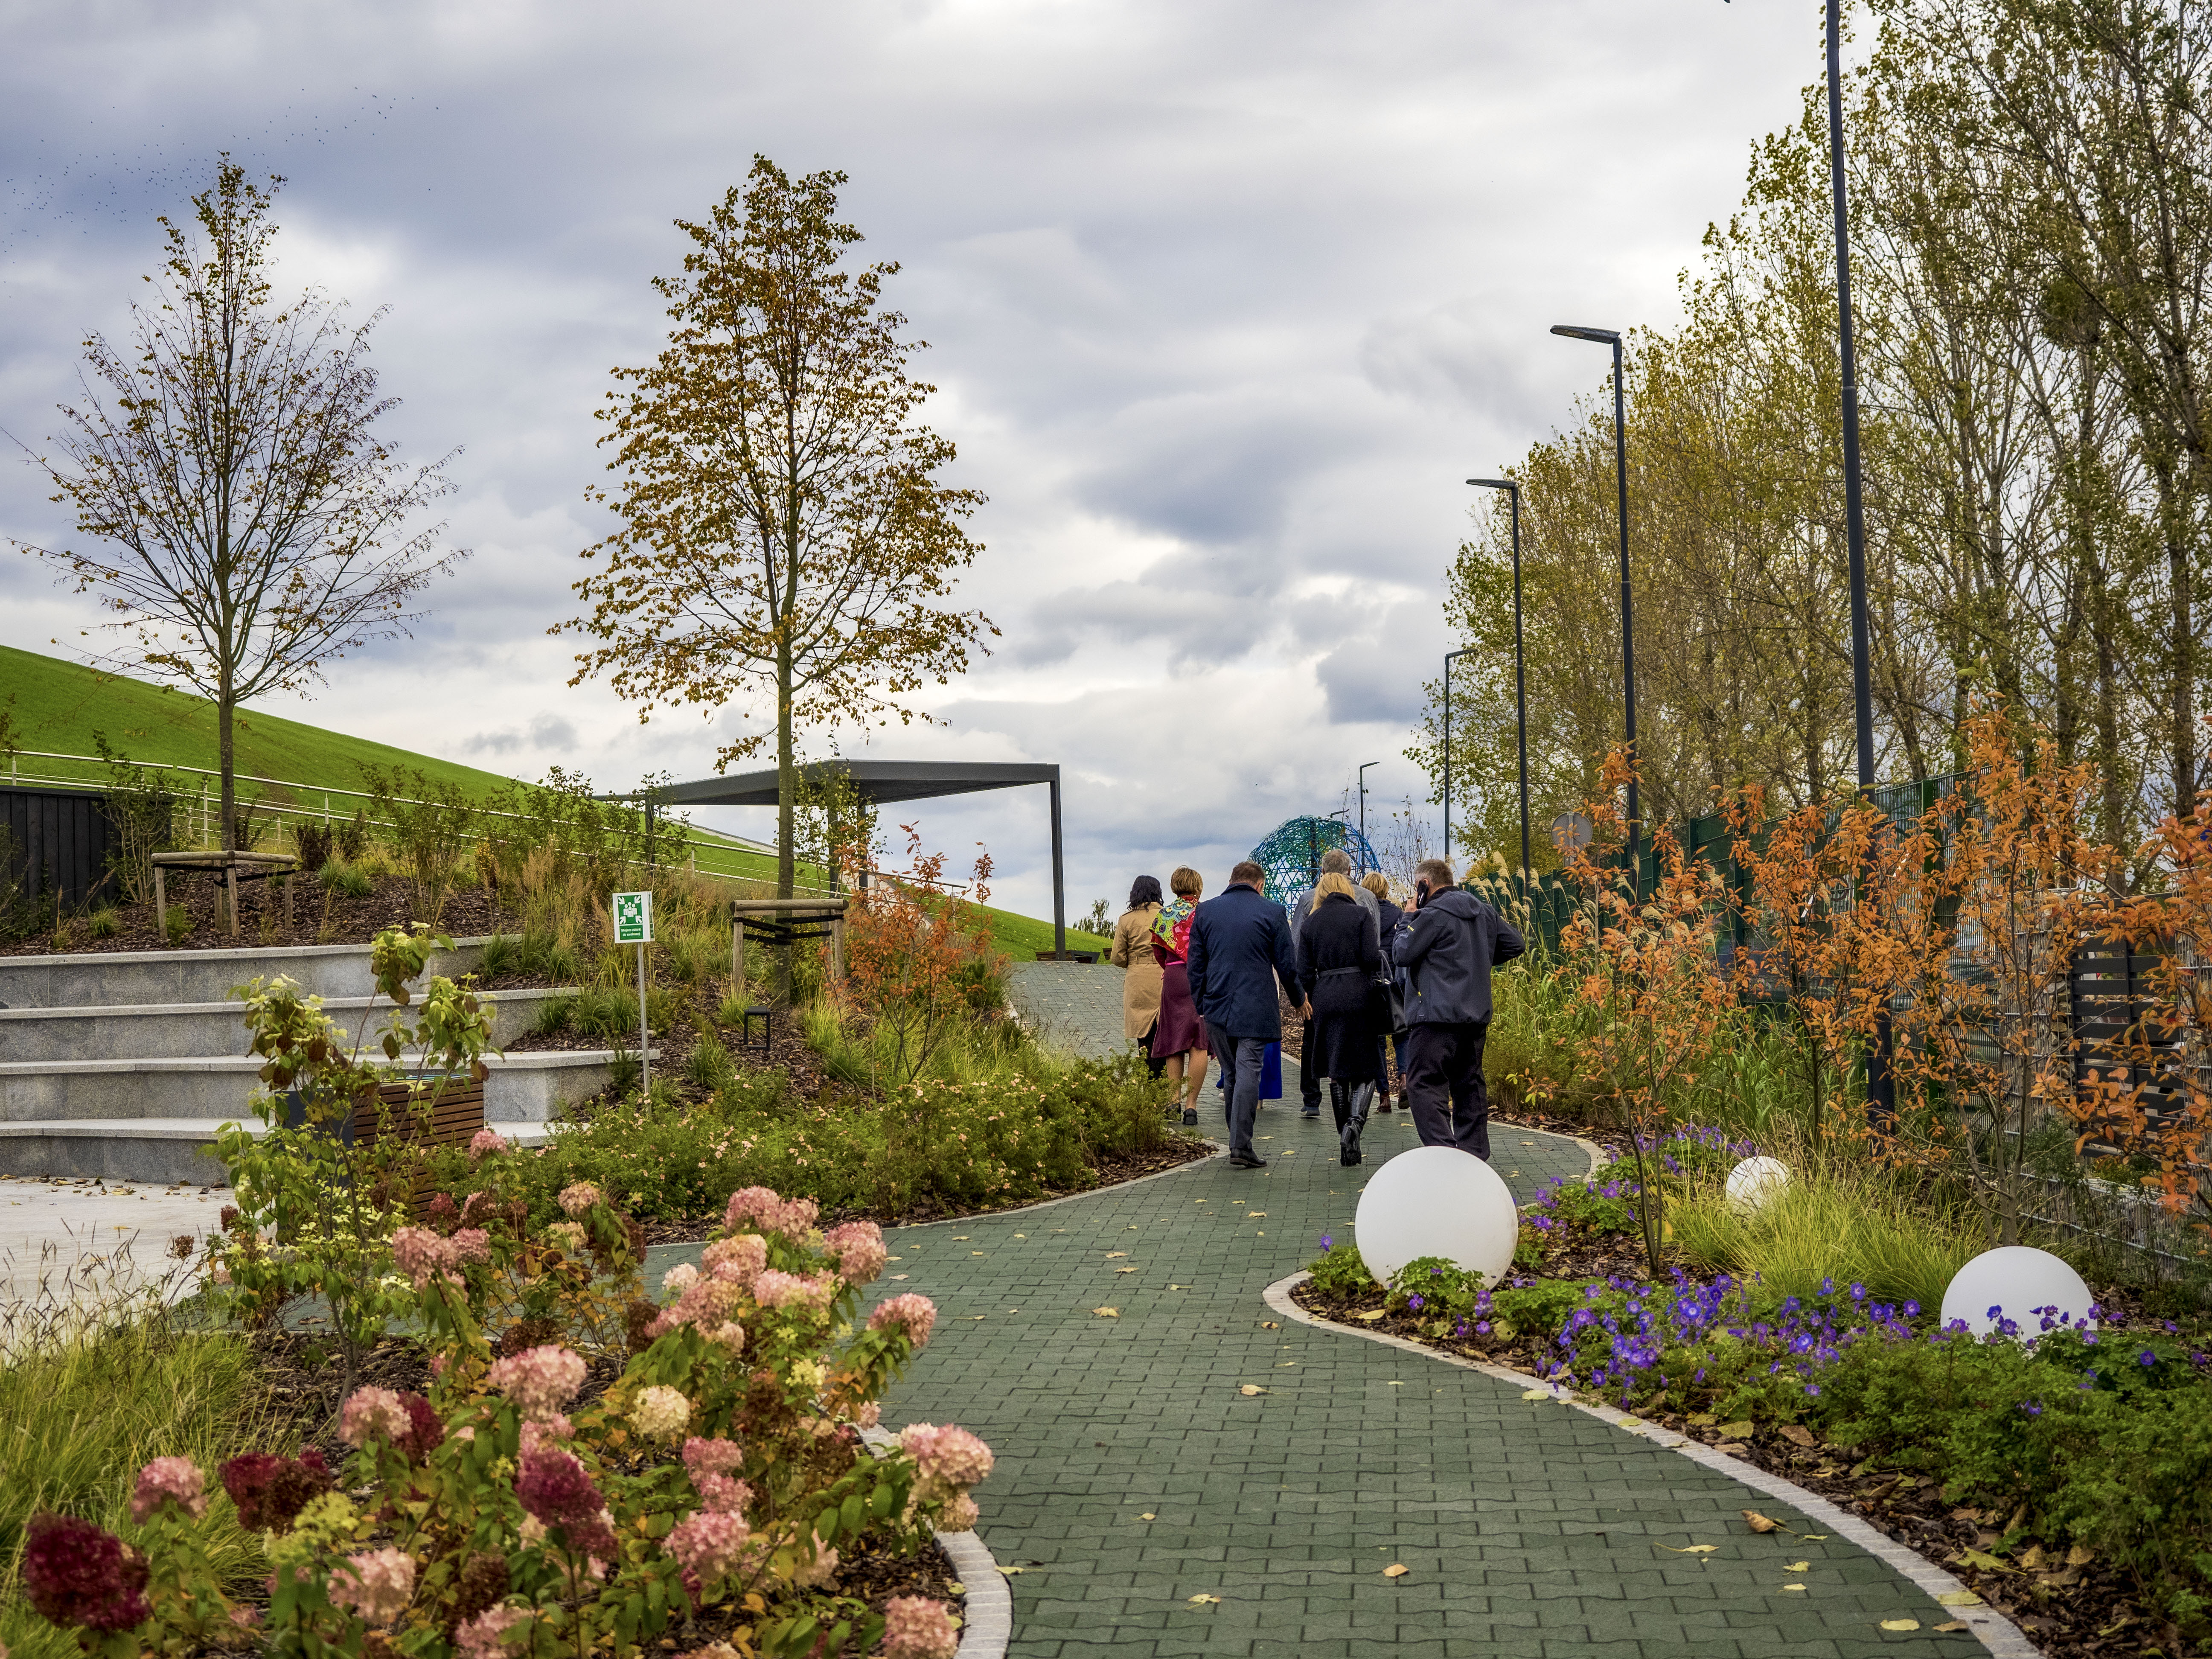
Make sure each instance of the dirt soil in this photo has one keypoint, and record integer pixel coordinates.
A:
(319, 917)
(2071, 1608)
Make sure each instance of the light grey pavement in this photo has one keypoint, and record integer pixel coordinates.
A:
(1073, 1005)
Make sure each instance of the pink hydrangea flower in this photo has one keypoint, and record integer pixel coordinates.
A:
(576, 1201)
(774, 1289)
(423, 1256)
(860, 1249)
(916, 1627)
(770, 1213)
(378, 1584)
(705, 1302)
(679, 1279)
(914, 1313)
(869, 1415)
(738, 1260)
(951, 1459)
(552, 1428)
(167, 1480)
(703, 1456)
(721, 1494)
(485, 1637)
(710, 1543)
(556, 1491)
(958, 1515)
(539, 1380)
(373, 1413)
(486, 1143)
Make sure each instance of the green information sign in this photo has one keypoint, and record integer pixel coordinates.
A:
(633, 917)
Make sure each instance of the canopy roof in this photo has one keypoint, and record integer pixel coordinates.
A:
(879, 780)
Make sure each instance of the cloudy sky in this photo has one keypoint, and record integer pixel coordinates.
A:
(1224, 299)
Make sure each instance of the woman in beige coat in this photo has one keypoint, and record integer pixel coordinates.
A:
(1133, 954)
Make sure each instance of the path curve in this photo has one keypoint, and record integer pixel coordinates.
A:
(1526, 1529)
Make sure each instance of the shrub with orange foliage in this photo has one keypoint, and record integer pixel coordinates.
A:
(916, 950)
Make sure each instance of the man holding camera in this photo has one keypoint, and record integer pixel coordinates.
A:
(1442, 954)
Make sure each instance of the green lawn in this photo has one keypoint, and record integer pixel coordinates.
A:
(58, 707)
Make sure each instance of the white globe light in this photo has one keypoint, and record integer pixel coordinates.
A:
(2017, 1280)
(1755, 1184)
(1438, 1200)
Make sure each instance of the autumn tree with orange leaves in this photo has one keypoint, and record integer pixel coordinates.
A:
(785, 535)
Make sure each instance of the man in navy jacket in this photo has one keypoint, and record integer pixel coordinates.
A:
(1443, 955)
(1240, 944)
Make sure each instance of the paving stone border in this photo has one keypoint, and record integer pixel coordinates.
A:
(1996, 1632)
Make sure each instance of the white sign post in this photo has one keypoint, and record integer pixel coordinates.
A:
(633, 925)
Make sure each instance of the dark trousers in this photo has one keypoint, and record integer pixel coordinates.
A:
(1308, 1079)
(1240, 1058)
(1444, 1088)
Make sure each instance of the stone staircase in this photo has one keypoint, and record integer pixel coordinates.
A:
(124, 1064)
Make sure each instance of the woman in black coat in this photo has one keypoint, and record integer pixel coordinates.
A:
(1343, 954)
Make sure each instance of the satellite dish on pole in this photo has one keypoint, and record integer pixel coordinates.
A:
(1570, 832)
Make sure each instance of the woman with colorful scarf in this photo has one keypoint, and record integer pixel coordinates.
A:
(1179, 1037)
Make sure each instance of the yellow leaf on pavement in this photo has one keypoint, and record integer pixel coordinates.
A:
(1108, 1313)
(1796, 1566)
(1114, 1255)
(1536, 1393)
(1951, 1625)
(1758, 1523)
(1249, 1389)
(1396, 1569)
(1694, 1549)
(1148, 1515)
(1900, 1624)
(1205, 1601)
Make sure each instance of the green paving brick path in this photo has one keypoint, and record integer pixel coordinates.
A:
(1528, 1529)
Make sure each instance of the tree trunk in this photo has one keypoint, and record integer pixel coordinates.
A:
(786, 788)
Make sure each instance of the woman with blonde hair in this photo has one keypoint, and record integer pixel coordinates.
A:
(1179, 1037)
(1391, 1021)
(1341, 958)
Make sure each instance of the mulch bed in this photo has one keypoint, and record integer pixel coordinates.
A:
(304, 1387)
(2079, 1611)
(468, 911)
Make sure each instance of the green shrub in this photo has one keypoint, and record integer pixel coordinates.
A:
(104, 922)
(349, 879)
(1339, 1272)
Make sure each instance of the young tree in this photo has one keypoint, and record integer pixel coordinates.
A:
(253, 525)
(784, 534)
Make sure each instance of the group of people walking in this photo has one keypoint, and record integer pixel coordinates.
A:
(1207, 979)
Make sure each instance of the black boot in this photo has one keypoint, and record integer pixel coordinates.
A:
(1351, 1122)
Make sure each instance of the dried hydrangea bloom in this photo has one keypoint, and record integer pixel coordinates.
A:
(709, 1544)
(860, 1249)
(569, 1235)
(739, 1259)
(679, 1279)
(485, 1636)
(539, 1380)
(951, 1459)
(914, 1313)
(576, 1201)
(958, 1515)
(916, 1627)
(378, 1584)
(372, 1413)
(167, 1480)
(819, 1571)
(659, 1413)
(487, 1143)
(77, 1575)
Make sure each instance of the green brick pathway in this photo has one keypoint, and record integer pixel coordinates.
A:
(1528, 1529)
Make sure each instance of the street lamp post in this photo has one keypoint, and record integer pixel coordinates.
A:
(1449, 655)
(1612, 337)
(1520, 668)
(1363, 807)
(1881, 1089)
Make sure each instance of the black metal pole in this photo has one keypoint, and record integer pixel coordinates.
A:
(1363, 811)
(1881, 1090)
(1058, 883)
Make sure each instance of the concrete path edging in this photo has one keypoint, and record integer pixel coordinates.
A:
(1996, 1632)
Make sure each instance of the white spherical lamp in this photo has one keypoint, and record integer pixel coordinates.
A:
(2016, 1281)
(1755, 1184)
(1438, 1200)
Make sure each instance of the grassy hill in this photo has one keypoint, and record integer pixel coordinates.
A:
(58, 708)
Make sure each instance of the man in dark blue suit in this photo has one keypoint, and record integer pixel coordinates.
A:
(1239, 946)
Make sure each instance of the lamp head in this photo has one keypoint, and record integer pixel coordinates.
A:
(1601, 336)
(1495, 483)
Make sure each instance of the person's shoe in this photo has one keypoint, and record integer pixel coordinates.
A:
(1349, 1158)
(1310, 1111)
(1383, 1104)
(1190, 1120)
(1237, 1160)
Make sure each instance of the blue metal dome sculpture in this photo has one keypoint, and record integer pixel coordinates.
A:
(1291, 855)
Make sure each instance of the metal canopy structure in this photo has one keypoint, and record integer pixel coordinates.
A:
(882, 783)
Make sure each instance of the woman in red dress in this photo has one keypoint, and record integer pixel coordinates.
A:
(1179, 1037)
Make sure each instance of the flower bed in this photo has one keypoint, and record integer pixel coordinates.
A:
(2065, 1473)
(706, 1494)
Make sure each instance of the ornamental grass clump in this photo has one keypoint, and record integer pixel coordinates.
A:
(698, 1480)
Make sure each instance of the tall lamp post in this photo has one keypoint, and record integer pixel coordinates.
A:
(1449, 655)
(1608, 337)
(1882, 1088)
(1363, 807)
(1520, 668)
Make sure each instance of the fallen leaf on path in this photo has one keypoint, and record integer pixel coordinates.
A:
(1112, 1254)
(1010, 1572)
(1257, 1215)
(1205, 1601)
(1125, 1270)
(1796, 1566)
(1960, 1598)
(1396, 1569)
(1758, 1523)
(1148, 1515)
(1251, 1388)
(1536, 1393)
(899, 1275)
(1793, 1587)
(1271, 1324)
(1950, 1626)
(1108, 1313)
(1900, 1624)
(1694, 1549)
